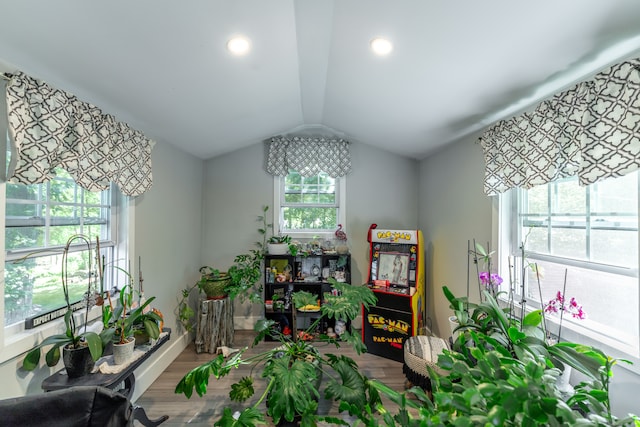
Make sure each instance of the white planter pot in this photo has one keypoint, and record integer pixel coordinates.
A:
(122, 352)
(563, 381)
(277, 248)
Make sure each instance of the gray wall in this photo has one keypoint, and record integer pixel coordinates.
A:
(382, 189)
(168, 222)
(453, 209)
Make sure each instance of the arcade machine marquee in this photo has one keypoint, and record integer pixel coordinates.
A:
(396, 276)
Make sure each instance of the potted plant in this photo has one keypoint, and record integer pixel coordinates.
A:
(504, 372)
(125, 321)
(293, 369)
(213, 282)
(80, 349)
(278, 245)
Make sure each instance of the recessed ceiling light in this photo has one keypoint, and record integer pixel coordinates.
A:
(238, 45)
(381, 46)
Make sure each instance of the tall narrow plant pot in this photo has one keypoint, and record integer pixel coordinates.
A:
(77, 361)
(122, 353)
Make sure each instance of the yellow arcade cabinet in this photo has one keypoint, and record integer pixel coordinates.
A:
(396, 276)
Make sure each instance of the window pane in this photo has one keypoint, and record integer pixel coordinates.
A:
(63, 191)
(568, 198)
(34, 286)
(327, 199)
(568, 242)
(310, 198)
(23, 238)
(616, 195)
(64, 211)
(43, 216)
(537, 200)
(614, 247)
(293, 198)
(25, 192)
(92, 198)
(610, 300)
(310, 180)
(23, 211)
(597, 228)
(309, 218)
(58, 236)
(536, 239)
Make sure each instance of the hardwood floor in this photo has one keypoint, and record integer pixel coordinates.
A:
(160, 398)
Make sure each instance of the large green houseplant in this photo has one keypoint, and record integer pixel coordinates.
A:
(503, 372)
(293, 369)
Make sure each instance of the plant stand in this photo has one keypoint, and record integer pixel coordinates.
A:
(215, 325)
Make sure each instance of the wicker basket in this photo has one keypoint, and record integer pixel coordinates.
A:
(214, 287)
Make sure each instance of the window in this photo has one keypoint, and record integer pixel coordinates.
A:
(39, 219)
(309, 205)
(590, 235)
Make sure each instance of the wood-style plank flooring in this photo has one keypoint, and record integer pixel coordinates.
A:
(160, 399)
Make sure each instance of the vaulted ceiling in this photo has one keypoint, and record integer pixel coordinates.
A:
(456, 66)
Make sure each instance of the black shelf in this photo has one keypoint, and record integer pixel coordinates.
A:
(302, 273)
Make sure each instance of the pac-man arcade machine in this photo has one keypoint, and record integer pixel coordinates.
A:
(396, 276)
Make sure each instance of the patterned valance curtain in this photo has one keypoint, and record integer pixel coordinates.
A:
(308, 156)
(591, 130)
(51, 128)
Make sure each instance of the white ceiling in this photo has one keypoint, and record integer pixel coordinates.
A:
(457, 65)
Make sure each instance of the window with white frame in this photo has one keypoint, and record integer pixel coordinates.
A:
(308, 205)
(39, 219)
(588, 238)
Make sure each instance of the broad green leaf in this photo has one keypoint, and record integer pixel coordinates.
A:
(52, 357)
(350, 385)
(152, 328)
(533, 319)
(497, 416)
(31, 360)
(249, 417)
(242, 390)
(95, 344)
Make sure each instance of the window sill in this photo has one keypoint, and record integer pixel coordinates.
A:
(20, 342)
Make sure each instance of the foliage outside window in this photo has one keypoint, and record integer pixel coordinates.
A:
(39, 219)
(309, 204)
(591, 235)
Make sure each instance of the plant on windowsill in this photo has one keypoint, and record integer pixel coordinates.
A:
(127, 320)
(293, 370)
(80, 349)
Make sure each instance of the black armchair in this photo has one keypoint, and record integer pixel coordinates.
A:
(72, 407)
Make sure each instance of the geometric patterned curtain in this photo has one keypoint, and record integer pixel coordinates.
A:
(51, 128)
(308, 156)
(591, 130)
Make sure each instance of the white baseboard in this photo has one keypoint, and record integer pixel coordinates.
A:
(151, 369)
